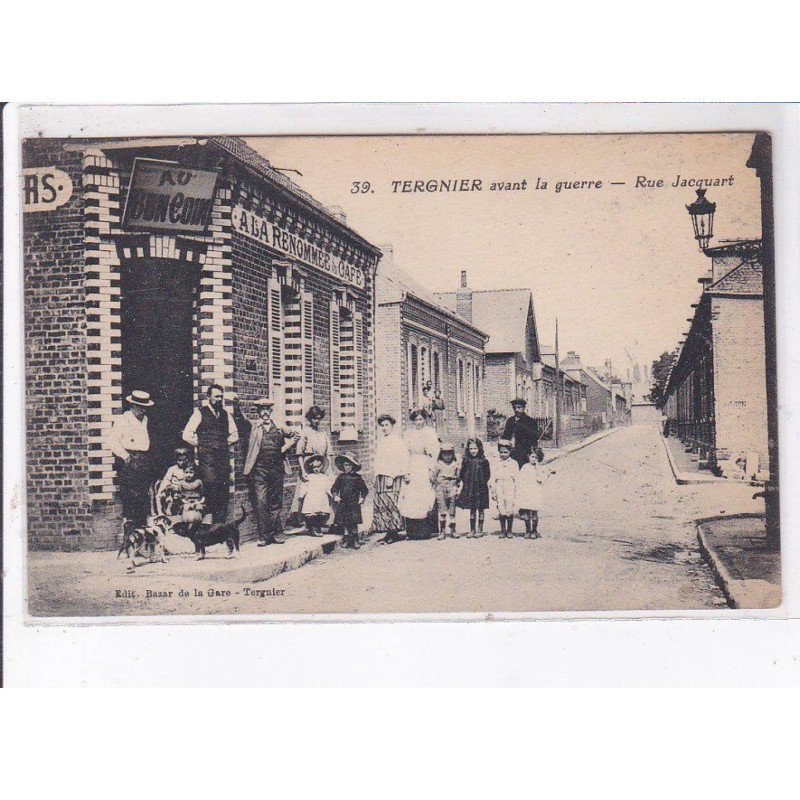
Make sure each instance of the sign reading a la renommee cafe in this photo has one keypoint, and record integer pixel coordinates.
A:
(272, 235)
(165, 196)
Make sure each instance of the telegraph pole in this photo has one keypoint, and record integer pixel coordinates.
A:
(559, 393)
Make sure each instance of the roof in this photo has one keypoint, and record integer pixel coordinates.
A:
(393, 285)
(246, 155)
(502, 313)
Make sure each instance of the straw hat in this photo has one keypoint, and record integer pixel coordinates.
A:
(140, 398)
(349, 457)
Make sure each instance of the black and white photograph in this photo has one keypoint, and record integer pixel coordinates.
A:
(409, 374)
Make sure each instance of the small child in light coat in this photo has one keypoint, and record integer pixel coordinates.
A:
(314, 495)
(529, 491)
(504, 488)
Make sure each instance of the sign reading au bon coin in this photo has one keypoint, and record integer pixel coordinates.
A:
(166, 196)
(45, 188)
(272, 235)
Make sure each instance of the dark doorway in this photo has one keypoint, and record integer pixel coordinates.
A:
(157, 304)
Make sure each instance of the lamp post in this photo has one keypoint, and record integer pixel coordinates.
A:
(702, 213)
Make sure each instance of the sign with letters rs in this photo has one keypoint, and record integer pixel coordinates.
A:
(45, 188)
(169, 197)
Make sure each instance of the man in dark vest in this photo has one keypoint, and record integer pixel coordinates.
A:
(522, 430)
(212, 431)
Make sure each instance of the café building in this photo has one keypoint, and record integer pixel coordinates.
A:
(166, 265)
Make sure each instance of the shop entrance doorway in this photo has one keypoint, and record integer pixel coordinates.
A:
(157, 304)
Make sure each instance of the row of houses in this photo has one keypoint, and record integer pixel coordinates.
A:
(715, 397)
(167, 265)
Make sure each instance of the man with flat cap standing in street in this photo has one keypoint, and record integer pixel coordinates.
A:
(522, 430)
(264, 466)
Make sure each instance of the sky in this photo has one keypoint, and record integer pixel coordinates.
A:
(618, 266)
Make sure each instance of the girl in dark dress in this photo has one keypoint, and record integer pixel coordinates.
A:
(349, 492)
(474, 481)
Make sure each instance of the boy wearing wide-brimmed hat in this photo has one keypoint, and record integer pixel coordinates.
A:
(349, 492)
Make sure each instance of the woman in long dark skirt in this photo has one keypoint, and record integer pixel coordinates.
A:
(391, 467)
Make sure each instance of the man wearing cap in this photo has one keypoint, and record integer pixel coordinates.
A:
(264, 466)
(129, 441)
(522, 430)
(212, 431)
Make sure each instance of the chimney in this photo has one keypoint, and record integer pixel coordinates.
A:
(387, 259)
(464, 298)
(337, 212)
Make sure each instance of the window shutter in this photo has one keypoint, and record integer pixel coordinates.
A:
(358, 333)
(336, 401)
(276, 354)
(307, 323)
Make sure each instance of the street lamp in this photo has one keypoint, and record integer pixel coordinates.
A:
(702, 214)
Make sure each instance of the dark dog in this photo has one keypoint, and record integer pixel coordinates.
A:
(146, 542)
(203, 534)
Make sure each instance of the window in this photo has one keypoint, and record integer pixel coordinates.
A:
(460, 388)
(477, 390)
(347, 369)
(413, 373)
(437, 377)
(290, 315)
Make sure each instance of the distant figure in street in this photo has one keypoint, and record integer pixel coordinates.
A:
(504, 487)
(438, 414)
(427, 405)
(349, 492)
(529, 491)
(522, 430)
(445, 479)
(212, 431)
(265, 467)
(391, 467)
(474, 486)
(129, 441)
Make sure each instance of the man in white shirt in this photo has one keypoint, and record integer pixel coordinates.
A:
(129, 441)
(212, 430)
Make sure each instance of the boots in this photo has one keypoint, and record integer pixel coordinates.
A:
(480, 528)
(471, 534)
(442, 527)
(453, 533)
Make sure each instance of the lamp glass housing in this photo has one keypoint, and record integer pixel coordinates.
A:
(702, 213)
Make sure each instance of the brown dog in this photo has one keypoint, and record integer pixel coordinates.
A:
(203, 534)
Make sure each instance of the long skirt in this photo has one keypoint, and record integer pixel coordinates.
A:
(386, 518)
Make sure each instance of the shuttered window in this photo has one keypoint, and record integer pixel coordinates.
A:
(348, 369)
(276, 349)
(335, 347)
(307, 323)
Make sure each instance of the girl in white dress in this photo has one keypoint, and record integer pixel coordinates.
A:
(529, 491)
(315, 495)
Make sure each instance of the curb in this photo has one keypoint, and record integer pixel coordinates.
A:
(254, 573)
(739, 593)
(685, 478)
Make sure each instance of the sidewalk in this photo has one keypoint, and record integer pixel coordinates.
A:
(747, 572)
(684, 465)
(553, 454)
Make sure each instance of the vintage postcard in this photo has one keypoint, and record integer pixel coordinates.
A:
(399, 374)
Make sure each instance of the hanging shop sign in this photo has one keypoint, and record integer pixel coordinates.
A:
(272, 235)
(45, 188)
(166, 196)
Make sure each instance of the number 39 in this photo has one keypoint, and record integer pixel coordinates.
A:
(360, 187)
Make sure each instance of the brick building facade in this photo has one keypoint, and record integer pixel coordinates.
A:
(513, 361)
(419, 342)
(715, 397)
(275, 295)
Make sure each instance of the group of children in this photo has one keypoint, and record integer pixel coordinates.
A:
(469, 485)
